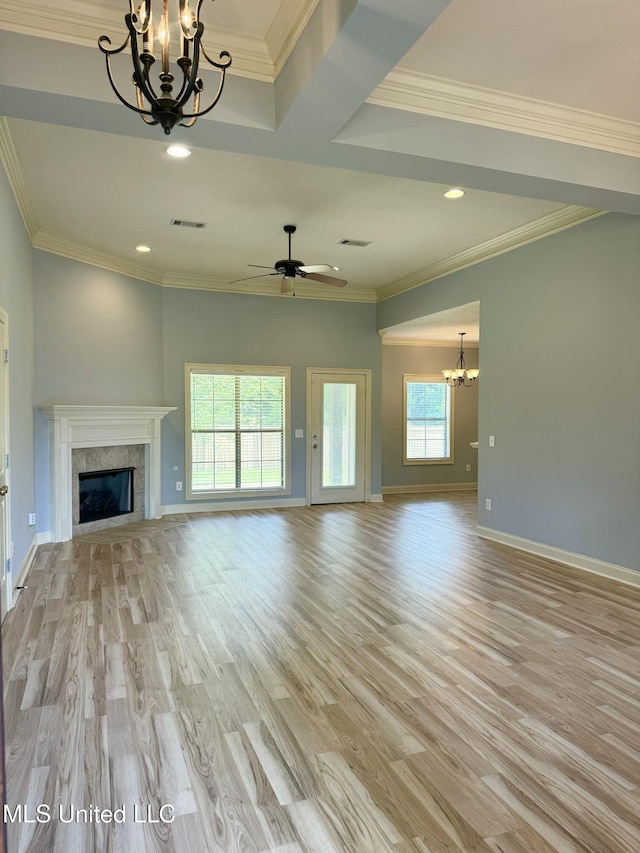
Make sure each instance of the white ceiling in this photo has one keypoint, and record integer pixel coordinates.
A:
(321, 148)
(443, 328)
(579, 53)
(245, 201)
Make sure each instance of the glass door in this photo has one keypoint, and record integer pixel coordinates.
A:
(337, 437)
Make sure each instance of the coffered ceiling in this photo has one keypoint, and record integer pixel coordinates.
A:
(348, 118)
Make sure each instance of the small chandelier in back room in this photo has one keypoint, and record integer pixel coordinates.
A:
(461, 375)
(165, 108)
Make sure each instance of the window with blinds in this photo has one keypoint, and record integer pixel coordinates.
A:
(237, 430)
(428, 420)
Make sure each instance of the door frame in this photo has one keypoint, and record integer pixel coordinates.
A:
(6, 586)
(342, 371)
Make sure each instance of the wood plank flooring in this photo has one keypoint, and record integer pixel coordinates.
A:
(356, 678)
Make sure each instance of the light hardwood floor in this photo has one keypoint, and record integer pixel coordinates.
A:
(356, 678)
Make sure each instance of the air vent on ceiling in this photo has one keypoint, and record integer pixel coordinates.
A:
(360, 243)
(186, 223)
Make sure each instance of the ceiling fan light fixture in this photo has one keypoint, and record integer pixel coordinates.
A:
(290, 269)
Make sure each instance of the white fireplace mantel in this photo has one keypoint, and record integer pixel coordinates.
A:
(99, 426)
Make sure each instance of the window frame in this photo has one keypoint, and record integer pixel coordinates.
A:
(238, 370)
(427, 379)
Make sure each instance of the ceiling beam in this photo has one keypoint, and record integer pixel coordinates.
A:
(68, 85)
(347, 49)
(497, 160)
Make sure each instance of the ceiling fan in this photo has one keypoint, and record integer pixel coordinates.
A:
(290, 269)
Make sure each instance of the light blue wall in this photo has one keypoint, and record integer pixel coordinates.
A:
(98, 340)
(227, 328)
(103, 338)
(398, 360)
(559, 333)
(560, 342)
(98, 335)
(16, 298)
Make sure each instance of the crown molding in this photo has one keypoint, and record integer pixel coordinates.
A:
(104, 260)
(17, 182)
(287, 26)
(544, 226)
(66, 20)
(436, 96)
(94, 257)
(250, 55)
(253, 57)
(399, 342)
(565, 217)
(270, 288)
(70, 21)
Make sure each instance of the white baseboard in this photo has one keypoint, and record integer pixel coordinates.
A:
(23, 571)
(26, 563)
(429, 487)
(568, 558)
(44, 538)
(225, 506)
(375, 499)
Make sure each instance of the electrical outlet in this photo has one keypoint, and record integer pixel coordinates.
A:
(492, 441)
(299, 433)
(32, 519)
(487, 504)
(468, 467)
(179, 486)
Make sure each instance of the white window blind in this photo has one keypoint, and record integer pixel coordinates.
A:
(237, 429)
(428, 420)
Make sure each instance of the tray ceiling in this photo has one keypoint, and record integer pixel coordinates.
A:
(344, 121)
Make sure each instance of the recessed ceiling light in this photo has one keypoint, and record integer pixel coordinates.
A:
(143, 249)
(178, 151)
(454, 193)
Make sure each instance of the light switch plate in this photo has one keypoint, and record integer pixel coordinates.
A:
(299, 433)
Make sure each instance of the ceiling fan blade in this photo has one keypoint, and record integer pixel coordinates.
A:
(262, 275)
(317, 268)
(325, 279)
(259, 267)
(288, 285)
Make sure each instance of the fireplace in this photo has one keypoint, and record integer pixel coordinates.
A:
(105, 494)
(77, 432)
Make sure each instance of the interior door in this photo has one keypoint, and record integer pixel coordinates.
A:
(338, 437)
(4, 487)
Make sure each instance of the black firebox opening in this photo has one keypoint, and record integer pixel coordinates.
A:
(105, 494)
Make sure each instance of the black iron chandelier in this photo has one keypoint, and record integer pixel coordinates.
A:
(165, 108)
(461, 375)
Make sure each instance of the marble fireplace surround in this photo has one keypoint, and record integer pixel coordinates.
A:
(71, 427)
